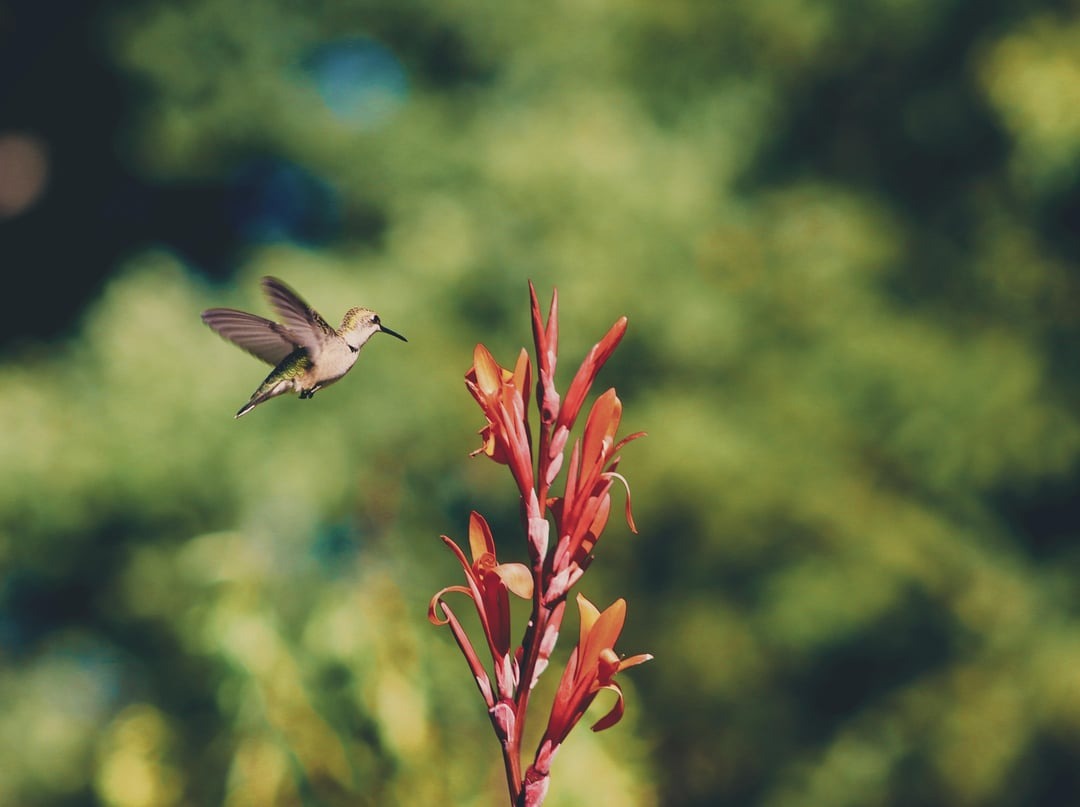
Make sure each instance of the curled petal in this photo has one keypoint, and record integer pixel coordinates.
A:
(486, 588)
(436, 601)
(616, 713)
(629, 513)
(462, 639)
(610, 664)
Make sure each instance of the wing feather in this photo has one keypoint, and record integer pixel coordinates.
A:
(260, 337)
(303, 322)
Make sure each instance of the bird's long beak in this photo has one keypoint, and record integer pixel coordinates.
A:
(384, 329)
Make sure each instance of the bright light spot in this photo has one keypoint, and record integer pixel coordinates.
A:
(361, 81)
(24, 172)
(134, 769)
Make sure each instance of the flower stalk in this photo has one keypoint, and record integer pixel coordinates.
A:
(561, 533)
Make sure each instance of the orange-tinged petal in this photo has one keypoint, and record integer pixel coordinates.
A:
(629, 512)
(517, 578)
(604, 633)
(589, 614)
(488, 371)
(480, 538)
(433, 617)
(633, 661)
(522, 373)
(600, 428)
(616, 713)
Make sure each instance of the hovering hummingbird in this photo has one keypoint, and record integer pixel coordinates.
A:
(306, 353)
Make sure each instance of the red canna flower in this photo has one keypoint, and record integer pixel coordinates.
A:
(502, 395)
(582, 513)
(592, 667)
(579, 516)
(488, 585)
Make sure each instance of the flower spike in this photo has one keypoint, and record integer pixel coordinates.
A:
(558, 559)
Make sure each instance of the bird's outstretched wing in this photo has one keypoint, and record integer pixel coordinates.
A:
(308, 329)
(260, 337)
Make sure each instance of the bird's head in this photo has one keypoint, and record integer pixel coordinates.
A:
(360, 324)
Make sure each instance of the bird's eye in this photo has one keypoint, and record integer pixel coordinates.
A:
(375, 319)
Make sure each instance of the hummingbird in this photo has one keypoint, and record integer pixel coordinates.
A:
(305, 352)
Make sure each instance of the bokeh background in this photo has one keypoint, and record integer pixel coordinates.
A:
(847, 238)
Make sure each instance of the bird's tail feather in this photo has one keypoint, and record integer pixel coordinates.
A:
(264, 393)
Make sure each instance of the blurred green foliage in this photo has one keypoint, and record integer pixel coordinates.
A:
(846, 241)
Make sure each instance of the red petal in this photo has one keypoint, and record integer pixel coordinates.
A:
(629, 513)
(497, 611)
(479, 673)
(633, 661)
(598, 511)
(464, 561)
(586, 374)
(546, 338)
(600, 429)
(616, 713)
